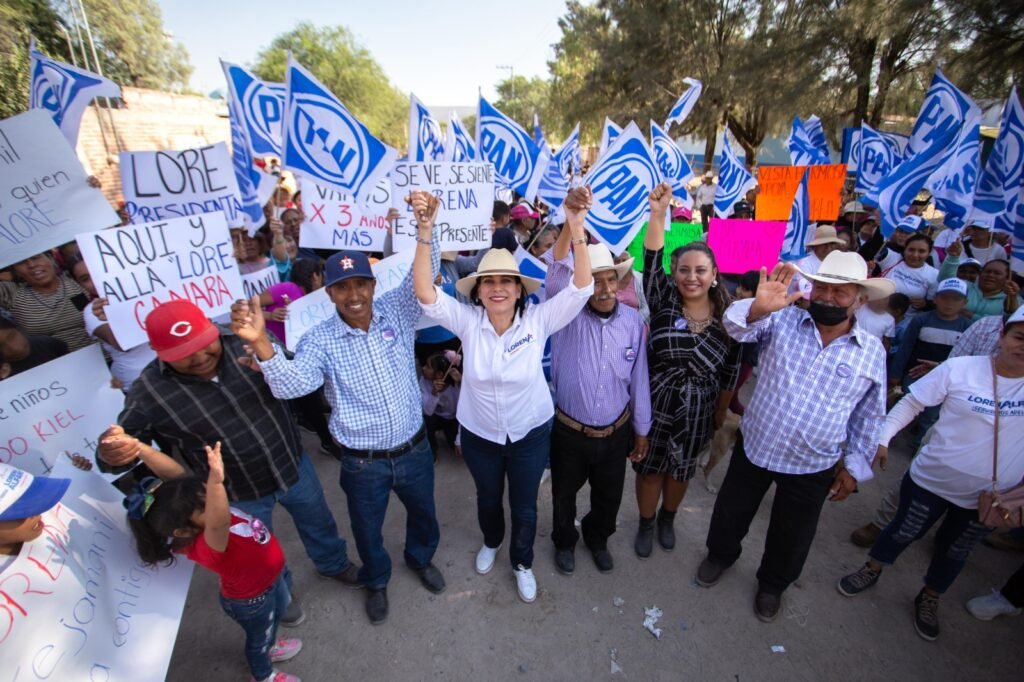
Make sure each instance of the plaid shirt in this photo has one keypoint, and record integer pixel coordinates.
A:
(981, 338)
(369, 377)
(809, 400)
(259, 441)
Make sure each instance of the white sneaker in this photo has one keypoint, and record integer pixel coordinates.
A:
(485, 559)
(992, 605)
(526, 583)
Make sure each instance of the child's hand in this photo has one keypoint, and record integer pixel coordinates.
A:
(216, 464)
(456, 375)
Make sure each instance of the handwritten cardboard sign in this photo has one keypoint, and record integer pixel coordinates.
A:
(777, 187)
(255, 283)
(169, 184)
(676, 235)
(138, 267)
(333, 219)
(465, 191)
(741, 245)
(44, 197)
(78, 603)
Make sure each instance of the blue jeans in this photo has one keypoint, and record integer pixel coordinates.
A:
(313, 519)
(523, 463)
(368, 484)
(918, 511)
(258, 616)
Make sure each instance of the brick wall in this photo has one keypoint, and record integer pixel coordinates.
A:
(149, 120)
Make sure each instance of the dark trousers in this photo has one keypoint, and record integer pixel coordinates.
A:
(918, 511)
(450, 427)
(310, 411)
(575, 460)
(1013, 590)
(707, 212)
(794, 520)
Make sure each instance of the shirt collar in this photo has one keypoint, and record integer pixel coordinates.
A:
(858, 333)
(345, 328)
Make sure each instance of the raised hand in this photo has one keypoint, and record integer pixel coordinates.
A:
(247, 319)
(577, 202)
(659, 198)
(97, 309)
(773, 291)
(216, 464)
(955, 249)
(425, 207)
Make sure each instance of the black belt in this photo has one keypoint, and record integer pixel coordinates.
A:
(394, 452)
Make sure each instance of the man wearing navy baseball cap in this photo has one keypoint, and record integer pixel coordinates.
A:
(364, 358)
(23, 499)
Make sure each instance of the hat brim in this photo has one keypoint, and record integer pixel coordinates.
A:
(620, 268)
(42, 495)
(342, 278)
(465, 285)
(875, 288)
(822, 242)
(193, 345)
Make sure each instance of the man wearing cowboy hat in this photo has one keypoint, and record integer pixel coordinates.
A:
(822, 385)
(825, 241)
(603, 404)
(704, 195)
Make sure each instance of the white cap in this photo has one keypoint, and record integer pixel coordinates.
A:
(23, 495)
(952, 285)
(1015, 317)
(911, 223)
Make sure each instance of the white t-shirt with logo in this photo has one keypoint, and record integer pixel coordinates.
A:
(956, 462)
(914, 282)
(881, 325)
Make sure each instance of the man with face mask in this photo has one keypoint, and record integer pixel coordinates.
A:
(822, 385)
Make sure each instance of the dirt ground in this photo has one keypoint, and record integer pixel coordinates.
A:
(478, 629)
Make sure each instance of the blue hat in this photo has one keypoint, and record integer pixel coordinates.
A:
(911, 224)
(23, 495)
(346, 264)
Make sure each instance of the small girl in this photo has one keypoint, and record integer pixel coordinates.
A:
(439, 388)
(182, 515)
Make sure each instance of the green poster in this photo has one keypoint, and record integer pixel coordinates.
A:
(680, 235)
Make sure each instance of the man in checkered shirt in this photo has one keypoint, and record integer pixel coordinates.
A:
(819, 399)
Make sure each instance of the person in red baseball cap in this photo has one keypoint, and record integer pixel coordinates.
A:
(182, 336)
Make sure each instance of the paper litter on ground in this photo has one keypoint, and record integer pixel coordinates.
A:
(777, 649)
(651, 617)
(618, 601)
(616, 668)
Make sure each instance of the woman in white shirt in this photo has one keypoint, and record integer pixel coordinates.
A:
(505, 407)
(913, 276)
(953, 467)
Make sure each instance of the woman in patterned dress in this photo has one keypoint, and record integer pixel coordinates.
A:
(693, 366)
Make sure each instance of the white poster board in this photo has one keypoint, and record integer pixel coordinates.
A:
(78, 603)
(138, 267)
(59, 407)
(44, 196)
(333, 220)
(255, 283)
(466, 191)
(164, 185)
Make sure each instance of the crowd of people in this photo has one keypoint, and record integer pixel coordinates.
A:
(619, 362)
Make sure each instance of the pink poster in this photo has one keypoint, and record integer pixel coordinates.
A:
(742, 245)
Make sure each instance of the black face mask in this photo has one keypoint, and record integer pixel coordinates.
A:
(828, 315)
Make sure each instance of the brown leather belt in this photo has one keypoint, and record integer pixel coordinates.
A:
(589, 431)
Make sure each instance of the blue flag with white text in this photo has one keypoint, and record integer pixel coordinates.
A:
(798, 229)
(816, 134)
(609, 132)
(324, 142)
(460, 146)
(518, 162)
(802, 151)
(566, 162)
(425, 140)
(672, 162)
(254, 186)
(733, 180)
(65, 91)
(621, 181)
(261, 106)
(684, 105)
(999, 188)
(877, 156)
(944, 108)
(954, 184)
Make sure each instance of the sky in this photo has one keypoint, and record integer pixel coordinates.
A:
(442, 50)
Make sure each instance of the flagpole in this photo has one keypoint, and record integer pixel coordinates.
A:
(99, 70)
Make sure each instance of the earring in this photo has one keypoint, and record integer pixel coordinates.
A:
(714, 284)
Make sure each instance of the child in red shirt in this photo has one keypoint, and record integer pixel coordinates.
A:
(182, 515)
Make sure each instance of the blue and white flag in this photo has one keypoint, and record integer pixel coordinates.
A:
(999, 188)
(538, 132)
(65, 91)
(324, 142)
(518, 162)
(425, 140)
(459, 146)
(564, 164)
(876, 156)
(621, 181)
(609, 132)
(851, 148)
(944, 108)
(798, 229)
(816, 134)
(802, 151)
(254, 186)
(1016, 217)
(672, 162)
(684, 105)
(953, 185)
(733, 180)
(262, 108)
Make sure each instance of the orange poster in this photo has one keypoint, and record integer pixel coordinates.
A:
(778, 185)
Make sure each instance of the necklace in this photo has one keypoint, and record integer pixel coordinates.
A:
(697, 326)
(59, 293)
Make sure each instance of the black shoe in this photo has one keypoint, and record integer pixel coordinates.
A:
(349, 577)
(926, 616)
(603, 560)
(644, 543)
(431, 578)
(377, 606)
(666, 534)
(331, 449)
(294, 616)
(565, 561)
(709, 572)
(766, 606)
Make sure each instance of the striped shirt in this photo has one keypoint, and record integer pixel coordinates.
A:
(259, 441)
(810, 399)
(49, 314)
(598, 366)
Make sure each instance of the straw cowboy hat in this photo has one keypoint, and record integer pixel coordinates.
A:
(845, 267)
(601, 259)
(496, 262)
(826, 234)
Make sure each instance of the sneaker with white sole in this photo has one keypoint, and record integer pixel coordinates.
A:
(277, 676)
(485, 559)
(285, 650)
(991, 606)
(526, 583)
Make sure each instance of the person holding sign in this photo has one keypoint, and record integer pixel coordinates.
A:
(363, 357)
(820, 397)
(46, 302)
(505, 406)
(694, 368)
(23, 499)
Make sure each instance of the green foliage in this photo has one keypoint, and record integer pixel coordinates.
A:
(348, 70)
(521, 97)
(20, 20)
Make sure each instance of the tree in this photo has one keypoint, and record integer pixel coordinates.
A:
(348, 70)
(20, 20)
(521, 97)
